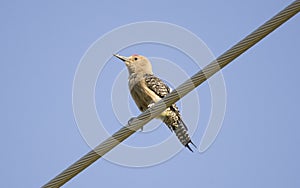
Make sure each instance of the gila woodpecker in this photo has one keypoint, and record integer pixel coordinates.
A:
(146, 89)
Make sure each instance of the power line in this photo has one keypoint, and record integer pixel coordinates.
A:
(175, 95)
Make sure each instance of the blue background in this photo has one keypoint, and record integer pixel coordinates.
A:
(41, 46)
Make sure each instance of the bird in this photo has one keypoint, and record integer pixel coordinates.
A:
(147, 89)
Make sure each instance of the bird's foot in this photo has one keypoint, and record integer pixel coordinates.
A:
(130, 121)
(150, 105)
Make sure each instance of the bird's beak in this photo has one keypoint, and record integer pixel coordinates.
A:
(123, 58)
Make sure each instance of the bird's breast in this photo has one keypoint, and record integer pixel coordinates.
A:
(141, 94)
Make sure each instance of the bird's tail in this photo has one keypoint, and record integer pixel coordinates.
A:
(181, 132)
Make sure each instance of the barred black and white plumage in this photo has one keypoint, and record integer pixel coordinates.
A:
(147, 89)
(171, 117)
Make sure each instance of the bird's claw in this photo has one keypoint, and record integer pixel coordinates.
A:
(130, 120)
(150, 105)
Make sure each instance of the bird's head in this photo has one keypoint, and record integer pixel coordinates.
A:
(136, 64)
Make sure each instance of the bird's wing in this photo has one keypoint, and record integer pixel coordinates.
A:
(174, 118)
(161, 89)
(156, 85)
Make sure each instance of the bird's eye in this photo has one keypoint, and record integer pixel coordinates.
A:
(135, 58)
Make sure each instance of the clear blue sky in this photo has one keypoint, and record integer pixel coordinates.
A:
(42, 43)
